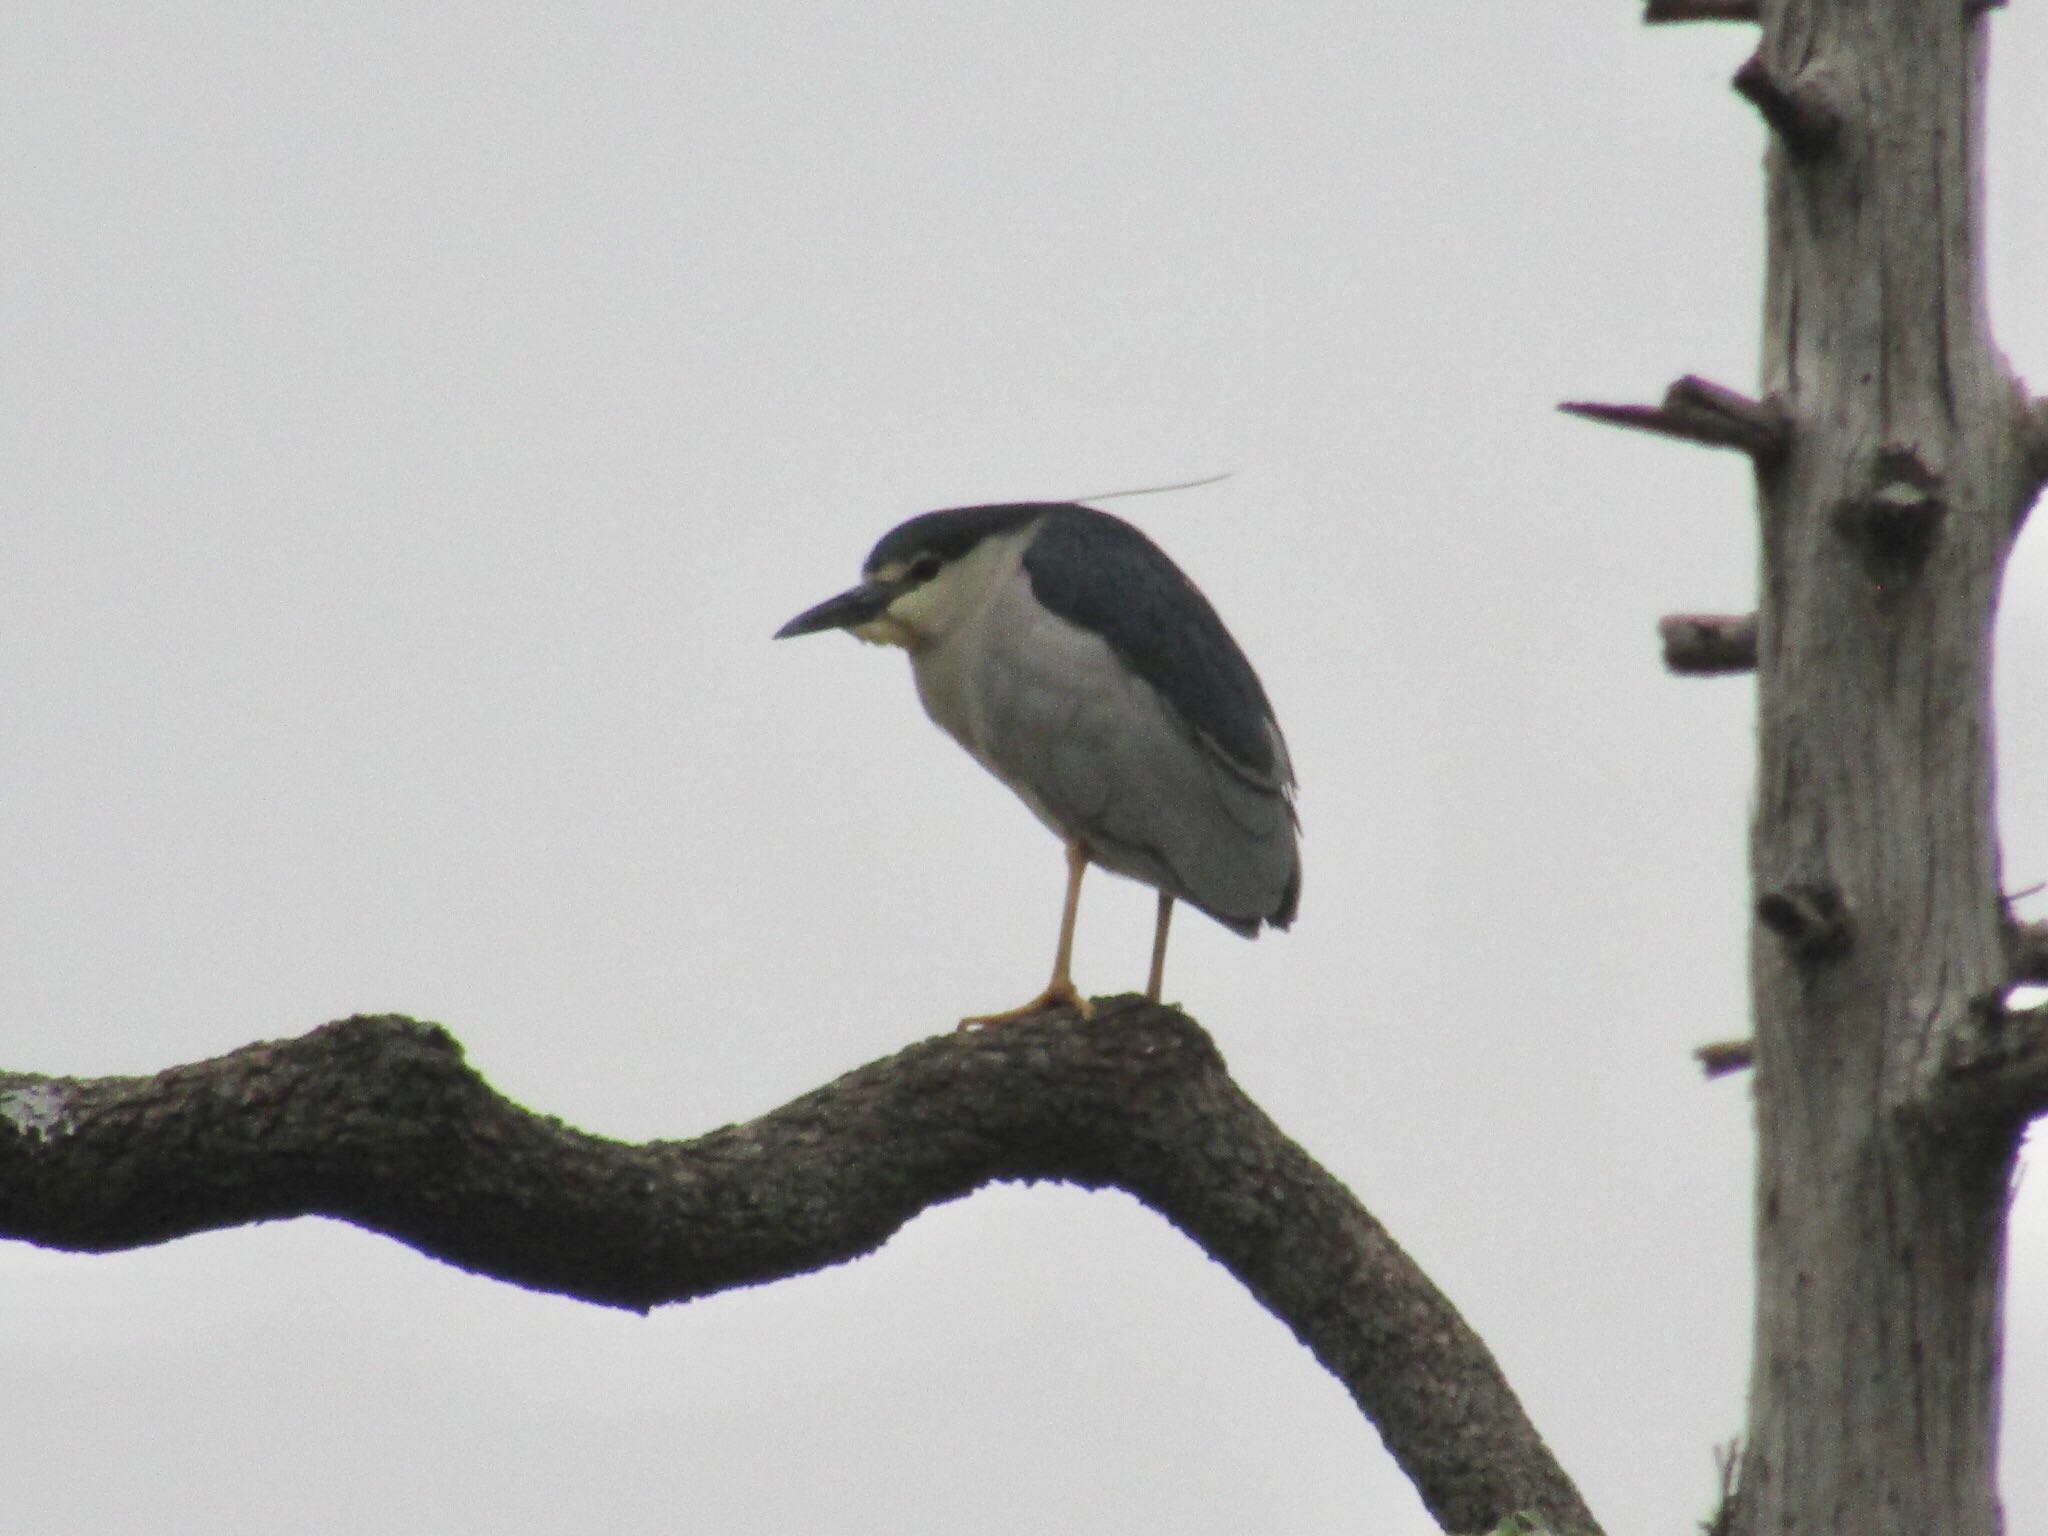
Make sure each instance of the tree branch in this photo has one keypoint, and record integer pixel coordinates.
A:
(1655, 11)
(1721, 1057)
(378, 1121)
(2034, 438)
(1802, 110)
(1708, 644)
(1697, 410)
(2001, 1075)
(2030, 954)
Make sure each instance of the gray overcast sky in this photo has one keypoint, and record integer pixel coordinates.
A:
(416, 420)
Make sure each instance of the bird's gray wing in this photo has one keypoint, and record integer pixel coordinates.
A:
(1101, 573)
(1181, 785)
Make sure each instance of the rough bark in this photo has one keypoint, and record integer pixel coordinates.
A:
(1880, 954)
(377, 1121)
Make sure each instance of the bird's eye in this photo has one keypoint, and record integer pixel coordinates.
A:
(924, 567)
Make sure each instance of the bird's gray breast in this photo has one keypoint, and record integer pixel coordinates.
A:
(1049, 708)
(1002, 681)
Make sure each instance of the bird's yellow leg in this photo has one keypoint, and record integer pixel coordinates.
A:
(1060, 991)
(1158, 977)
(1062, 985)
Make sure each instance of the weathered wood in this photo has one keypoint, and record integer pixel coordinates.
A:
(1800, 107)
(1721, 1057)
(1881, 1211)
(1697, 410)
(1708, 644)
(2030, 954)
(1655, 11)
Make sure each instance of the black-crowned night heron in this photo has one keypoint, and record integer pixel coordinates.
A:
(1076, 663)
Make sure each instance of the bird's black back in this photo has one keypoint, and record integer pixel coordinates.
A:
(1100, 572)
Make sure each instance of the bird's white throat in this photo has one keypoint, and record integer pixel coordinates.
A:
(927, 613)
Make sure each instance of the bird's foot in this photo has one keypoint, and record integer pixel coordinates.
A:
(1061, 994)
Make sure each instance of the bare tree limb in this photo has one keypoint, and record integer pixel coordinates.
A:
(1697, 410)
(2000, 1077)
(1708, 644)
(378, 1121)
(1655, 11)
(1722, 1057)
(2030, 954)
(2034, 437)
(1728, 1464)
(1801, 110)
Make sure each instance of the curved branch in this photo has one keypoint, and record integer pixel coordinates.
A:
(379, 1121)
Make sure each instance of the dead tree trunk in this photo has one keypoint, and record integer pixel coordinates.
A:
(1895, 459)
(1880, 946)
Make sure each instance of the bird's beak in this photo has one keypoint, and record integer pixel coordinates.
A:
(855, 606)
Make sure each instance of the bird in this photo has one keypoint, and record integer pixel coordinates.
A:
(1074, 660)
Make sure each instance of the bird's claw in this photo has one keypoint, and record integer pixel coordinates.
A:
(1061, 994)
